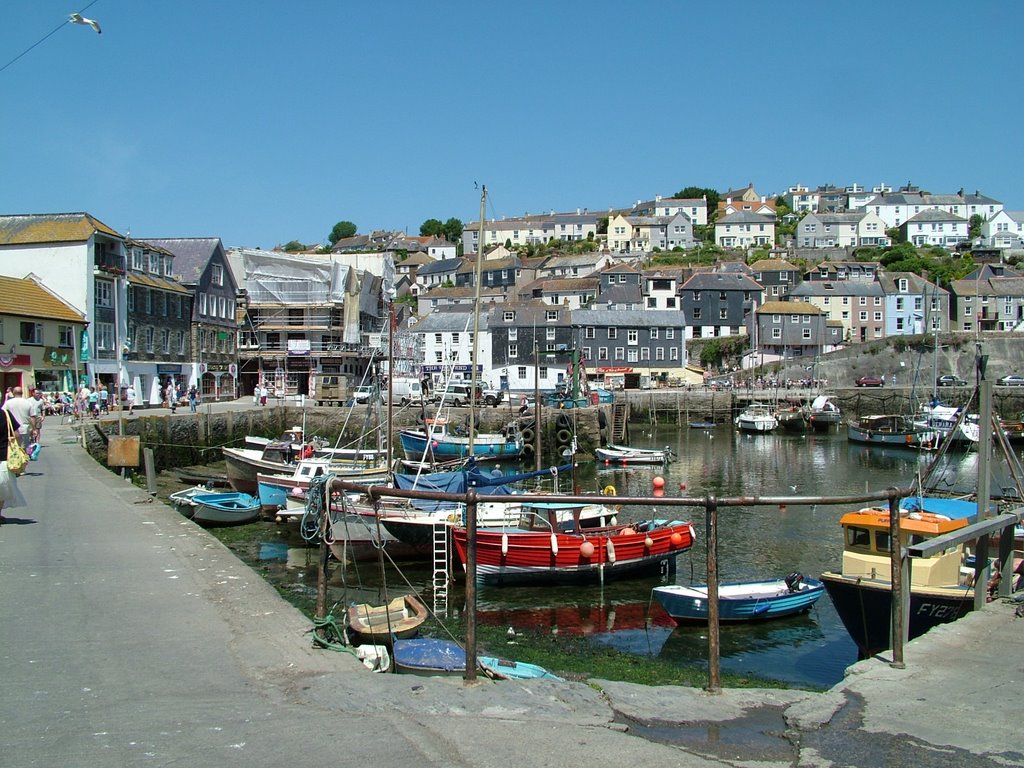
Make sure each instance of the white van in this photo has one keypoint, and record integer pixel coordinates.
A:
(453, 394)
(405, 391)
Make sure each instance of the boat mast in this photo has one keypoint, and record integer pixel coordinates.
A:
(476, 320)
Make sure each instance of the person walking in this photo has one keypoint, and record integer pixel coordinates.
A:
(20, 407)
(10, 496)
(94, 402)
(129, 398)
(104, 398)
(170, 395)
(193, 398)
(263, 394)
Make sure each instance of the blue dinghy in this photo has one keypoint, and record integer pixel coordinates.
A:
(518, 670)
(220, 509)
(427, 656)
(746, 601)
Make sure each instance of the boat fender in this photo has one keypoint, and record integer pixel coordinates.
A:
(910, 439)
(611, 551)
(648, 542)
(504, 544)
(609, 490)
(564, 436)
(528, 448)
(554, 544)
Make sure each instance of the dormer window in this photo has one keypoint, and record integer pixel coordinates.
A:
(509, 317)
(551, 315)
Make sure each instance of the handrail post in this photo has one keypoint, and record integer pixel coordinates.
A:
(900, 585)
(714, 649)
(471, 505)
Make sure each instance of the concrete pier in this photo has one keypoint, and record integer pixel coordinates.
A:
(129, 636)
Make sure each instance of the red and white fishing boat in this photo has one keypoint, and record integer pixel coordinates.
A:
(536, 552)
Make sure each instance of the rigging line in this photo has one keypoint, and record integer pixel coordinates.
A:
(45, 37)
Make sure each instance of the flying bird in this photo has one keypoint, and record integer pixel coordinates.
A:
(77, 18)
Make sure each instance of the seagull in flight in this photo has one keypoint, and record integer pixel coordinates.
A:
(77, 18)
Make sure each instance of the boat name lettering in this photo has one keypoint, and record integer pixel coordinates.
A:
(938, 611)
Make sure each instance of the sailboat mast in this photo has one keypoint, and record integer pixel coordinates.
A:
(476, 320)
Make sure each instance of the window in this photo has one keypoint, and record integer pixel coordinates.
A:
(620, 353)
(202, 304)
(513, 351)
(217, 275)
(585, 352)
(645, 353)
(154, 263)
(222, 306)
(104, 293)
(589, 333)
(147, 338)
(513, 334)
(551, 315)
(613, 333)
(670, 333)
(696, 313)
(878, 317)
(521, 372)
(65, 336)
(130, 295)
(807, 334)
(180, 343)
(165, 341)
(863, 317)
(723, 314)
(508, 317)
(138, 260)
(161, 303)
(549, 334)
(673, 353)
(31, 333)
(659, 353)
(632, 336)
(654, 333)
(794, 318)
(652, 303)
(105, 336)
(602, 353)
(167, 262)
(776, 333)
(631, 356)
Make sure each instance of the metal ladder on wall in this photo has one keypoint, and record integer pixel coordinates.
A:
(619, 419)
(441, 576)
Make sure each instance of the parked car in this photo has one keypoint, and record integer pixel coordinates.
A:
(719, 382)
(1013, 380)
(870, 381)
(950, 381)
(363, 394)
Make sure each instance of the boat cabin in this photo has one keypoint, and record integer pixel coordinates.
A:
(564, 517)
(866, 546)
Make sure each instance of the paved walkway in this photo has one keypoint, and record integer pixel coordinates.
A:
(129, 636)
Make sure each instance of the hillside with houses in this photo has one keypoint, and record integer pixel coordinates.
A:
(658, 293)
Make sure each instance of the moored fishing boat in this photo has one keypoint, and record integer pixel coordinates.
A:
(824, 414)
(862, 590)
(280, 458)
(537, 552)
(437, 441)
(756, 418)
(792, 418)
(623, 454)
(744, 601)
(892, 430)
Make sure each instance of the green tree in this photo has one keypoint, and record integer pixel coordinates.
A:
(293, 246)
(342, 230)
(432, 228)
(453, 230)
(974, 226)
(688, 193)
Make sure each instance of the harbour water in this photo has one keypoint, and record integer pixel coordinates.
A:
(754, 544)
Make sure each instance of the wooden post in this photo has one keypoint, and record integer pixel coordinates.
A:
(714, 647)
(150, 460)
(900, 587)
(324, 555)
(471, 586)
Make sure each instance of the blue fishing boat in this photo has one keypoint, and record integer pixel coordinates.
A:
(435, 441)
(744, 601)
(217, 509)
(518, 670)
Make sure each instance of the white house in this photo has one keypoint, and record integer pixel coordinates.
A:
(828, 230)
(745, 229)
(696, 209)
(935, 227)
(1005, 230)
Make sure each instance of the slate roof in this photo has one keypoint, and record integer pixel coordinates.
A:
(629, 317)
(24, 297)
(721, 281)
(788, 308)
(933, 214)
(747, 217)
(191, 255)
(32, 228)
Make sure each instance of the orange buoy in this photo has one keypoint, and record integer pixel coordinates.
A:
(587, 550)
(676, 539)
(658, 481)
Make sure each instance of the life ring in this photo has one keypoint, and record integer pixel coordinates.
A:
(609, 490)
(564, 436)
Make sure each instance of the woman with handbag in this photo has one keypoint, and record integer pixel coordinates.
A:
(10, 495)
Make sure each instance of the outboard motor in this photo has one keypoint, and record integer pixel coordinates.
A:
(793, 581)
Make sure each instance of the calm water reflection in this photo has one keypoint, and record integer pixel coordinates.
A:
(754, 543)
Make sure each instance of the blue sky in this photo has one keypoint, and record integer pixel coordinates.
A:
(263, 122)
